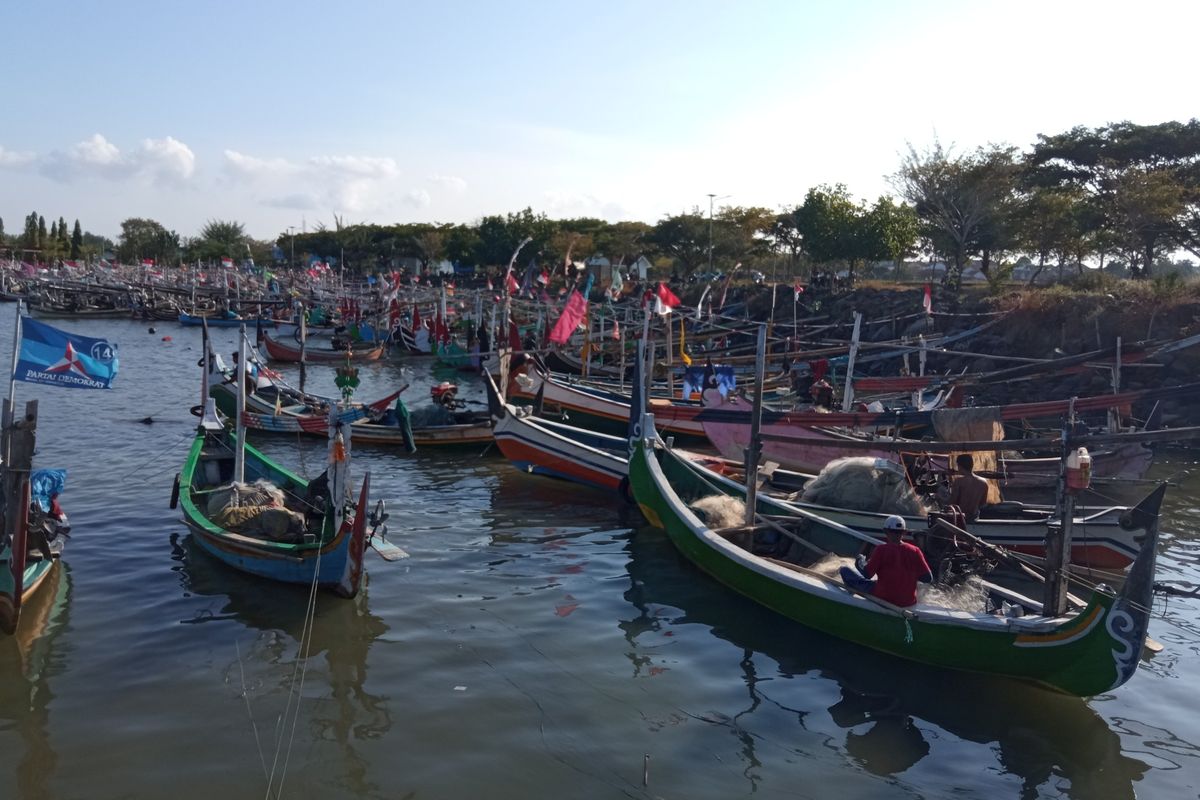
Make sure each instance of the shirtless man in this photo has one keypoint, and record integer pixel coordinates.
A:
(970, 491)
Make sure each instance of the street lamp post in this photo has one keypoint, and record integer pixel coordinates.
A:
(292, 236)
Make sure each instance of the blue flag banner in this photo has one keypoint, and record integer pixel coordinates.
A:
(58, 358)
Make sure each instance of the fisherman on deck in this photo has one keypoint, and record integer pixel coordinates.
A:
(970, 491)
(897, 566)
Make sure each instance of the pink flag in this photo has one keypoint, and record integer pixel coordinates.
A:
(572, 315)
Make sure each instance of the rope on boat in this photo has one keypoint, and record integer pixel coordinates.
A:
(300, 668)
(908, 634)
(262, 759)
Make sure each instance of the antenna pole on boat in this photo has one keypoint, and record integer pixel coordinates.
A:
(1058, 538)
(239, 462)
(303, 344)
(754, 448)
(670, 364)
(848, 394)
(1114, 414)
(12, 373)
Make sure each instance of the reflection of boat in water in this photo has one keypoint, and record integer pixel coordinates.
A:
(26, 667)
(883, 705)
(342, 630)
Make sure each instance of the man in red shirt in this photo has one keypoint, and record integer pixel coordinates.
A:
(897, 566)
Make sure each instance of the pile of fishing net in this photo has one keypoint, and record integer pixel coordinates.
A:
(864, 484)
(720, 511)
(255, 509)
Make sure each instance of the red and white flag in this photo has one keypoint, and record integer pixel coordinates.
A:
(227, 263)
(927, 303)
(147, 262)
(510, 283)
(797, 290)
(489, 283)
(664, 299)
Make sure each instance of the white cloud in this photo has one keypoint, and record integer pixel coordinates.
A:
(583, 204)
(242, 164)
(342, 184)
(12, 158)
(451, 182)
(166, 159)
(161, 161)
(418, 198)
(357, 166)
(302, 201)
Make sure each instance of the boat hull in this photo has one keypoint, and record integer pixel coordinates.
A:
(1084, 654)
(281, 351)
(333, 563)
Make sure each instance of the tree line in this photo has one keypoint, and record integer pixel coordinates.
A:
(1122, 194)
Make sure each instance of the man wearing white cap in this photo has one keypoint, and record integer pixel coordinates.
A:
(897, 566)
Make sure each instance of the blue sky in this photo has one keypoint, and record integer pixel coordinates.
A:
(287, 113)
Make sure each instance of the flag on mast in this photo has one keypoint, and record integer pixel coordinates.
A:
(52, 356)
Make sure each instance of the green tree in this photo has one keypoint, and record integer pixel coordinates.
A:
(622, 242)
(76, 241)
(1045, 221)
(145, 238)
(29, 239)
(42, 236)
(219, 239)
(683, 238)
(960, 199)
(431, 244)
(462, 243)
(63, 241)
(1142, 180)
(892, 230)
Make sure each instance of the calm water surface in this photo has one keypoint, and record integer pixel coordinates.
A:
(540, 642)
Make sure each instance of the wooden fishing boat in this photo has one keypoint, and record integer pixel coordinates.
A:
(223, 321)
(599, 409)
(296, 531)
(273, 397)
(556, 449)
(282, 350)
(565, 451)
(806, 441)
(329, 550)
(1092, 648)
(465, 428)
(24, 571)
(1100, 540)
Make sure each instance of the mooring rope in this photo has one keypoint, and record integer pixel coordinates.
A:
(299, 668)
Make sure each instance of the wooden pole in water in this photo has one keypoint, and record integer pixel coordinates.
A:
(1114, 414)
(19, 439)
(848, 394)
(670, 364)
(239, 458)
(303, 345)
(754, 447)
(1058, 538)
(12, 376)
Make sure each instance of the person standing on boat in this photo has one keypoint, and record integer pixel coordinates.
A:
(896, 566)
(969, 491)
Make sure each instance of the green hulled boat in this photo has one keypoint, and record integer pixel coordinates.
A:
(1093, 648)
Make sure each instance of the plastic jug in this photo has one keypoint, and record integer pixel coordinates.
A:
(1079, 470)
